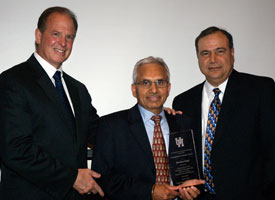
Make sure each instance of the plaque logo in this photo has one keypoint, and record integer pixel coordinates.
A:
(179, 142)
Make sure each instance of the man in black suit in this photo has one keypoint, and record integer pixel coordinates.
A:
(242, 154)
(44, 133)
(123, 151)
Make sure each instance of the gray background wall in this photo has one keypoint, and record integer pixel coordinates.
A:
(113, 35)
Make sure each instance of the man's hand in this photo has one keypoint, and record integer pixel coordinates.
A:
(188, 191)
(164, 192)
(85, 184)
(172, 111)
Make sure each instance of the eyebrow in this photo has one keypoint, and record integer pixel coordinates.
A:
(206, 50)
(223, 48)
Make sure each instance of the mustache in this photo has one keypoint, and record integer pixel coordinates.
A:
(153, 95)
(213, 65)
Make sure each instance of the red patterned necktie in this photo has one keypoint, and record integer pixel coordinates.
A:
(159, 153)
(213, 114)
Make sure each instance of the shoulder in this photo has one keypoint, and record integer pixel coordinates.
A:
(250, 78)
(179, 121)
(17, 77)
(122, 114)
(190, 95)
(73, 80)
(115, 119)
(125, 117)
(15, 72)
(81, 88)
(23, 72)
(177, 117)
(250, 82)
(191, 92)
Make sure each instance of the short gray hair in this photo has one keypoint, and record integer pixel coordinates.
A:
(149, 60)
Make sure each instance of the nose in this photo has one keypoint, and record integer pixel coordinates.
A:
(154, 87)
(212, 57)
(62, 41)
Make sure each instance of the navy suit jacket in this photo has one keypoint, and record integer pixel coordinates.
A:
(243, 153)
(123, 154)
(39, 148)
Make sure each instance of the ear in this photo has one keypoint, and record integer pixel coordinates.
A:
(232, 54)
(38, 36)
(134, 91)
(169, 88)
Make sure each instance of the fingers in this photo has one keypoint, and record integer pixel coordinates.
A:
(168, 110)
(185, 194)
(164, 191)
(179, 112)
(93, 186)
(97, 189)
(189, 193)
(188, 190)
(95, 174)
(172, 111)
(85, 184)
(191, 182)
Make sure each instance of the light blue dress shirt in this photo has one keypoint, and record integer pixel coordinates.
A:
(149, 125)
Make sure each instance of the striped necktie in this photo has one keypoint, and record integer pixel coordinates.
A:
(214, 110)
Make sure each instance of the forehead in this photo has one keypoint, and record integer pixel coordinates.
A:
(213, 41)
(151, 71)
(57, 19)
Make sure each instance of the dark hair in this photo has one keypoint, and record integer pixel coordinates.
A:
(211, 30)
(41, 25)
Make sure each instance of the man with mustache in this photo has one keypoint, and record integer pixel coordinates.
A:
(124, 151)
(234, 117)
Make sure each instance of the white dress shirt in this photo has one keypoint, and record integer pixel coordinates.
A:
(207, 97)
(50, 70)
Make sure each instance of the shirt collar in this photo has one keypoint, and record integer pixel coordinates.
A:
(209, 88)
(50, 70)
(147, 115)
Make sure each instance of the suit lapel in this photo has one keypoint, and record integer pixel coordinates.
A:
(73, 92)
(40, 76)
(229, 106)
(197, 119)
(139, 132)
(173, 125)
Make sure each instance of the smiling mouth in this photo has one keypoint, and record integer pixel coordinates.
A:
(214, 68)
(59, 50)
(153, 98)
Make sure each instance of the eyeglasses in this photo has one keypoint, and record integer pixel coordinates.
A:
(147, 83)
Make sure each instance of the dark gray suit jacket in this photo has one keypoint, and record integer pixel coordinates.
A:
(123, 154)
(40, 150)
(243, 154)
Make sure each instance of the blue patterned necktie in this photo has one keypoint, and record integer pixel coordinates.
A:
(214, 110)
(63, 96)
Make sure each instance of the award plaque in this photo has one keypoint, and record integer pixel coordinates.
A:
(183, 160)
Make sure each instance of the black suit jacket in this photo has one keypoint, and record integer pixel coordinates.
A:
(123, 154)
(243, 151)
(40, 151)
